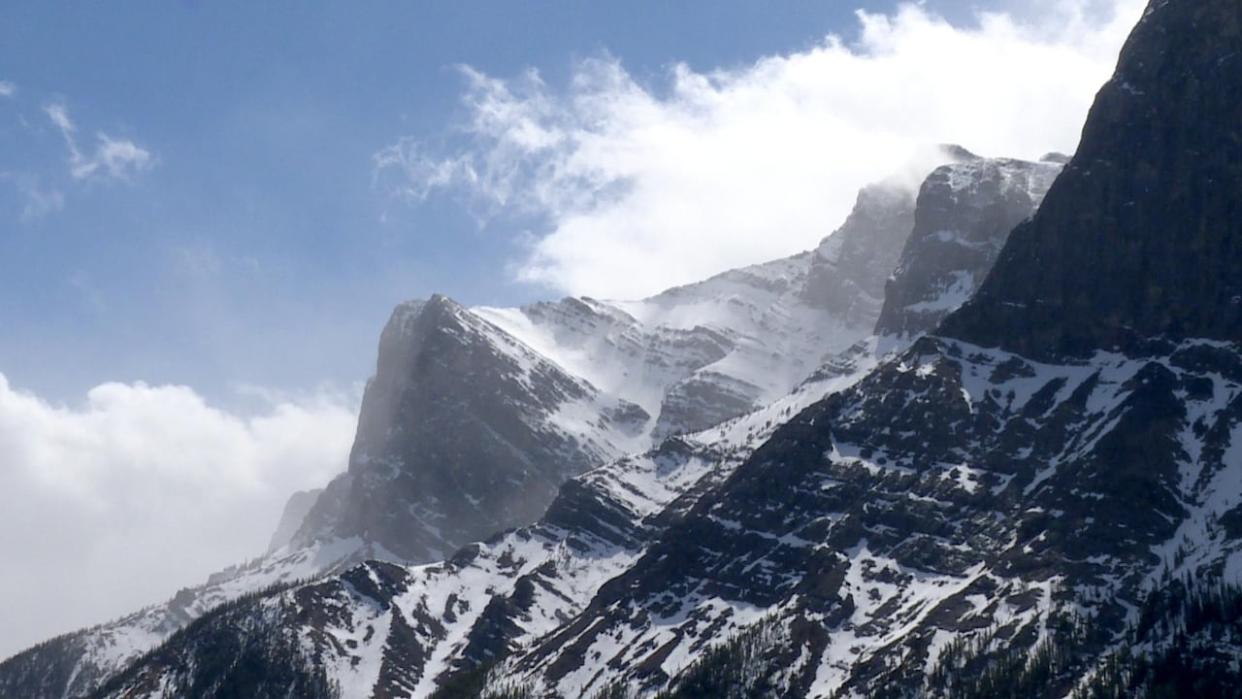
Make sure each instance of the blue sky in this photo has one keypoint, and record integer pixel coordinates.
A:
(252, 249)
(256, 248)
(209, 209)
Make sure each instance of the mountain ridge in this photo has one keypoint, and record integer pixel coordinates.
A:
(1035, 493)
(1008, 491)
(318, 547)
(497, 621)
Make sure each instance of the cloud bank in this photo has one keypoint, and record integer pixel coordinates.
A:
(640, 187)
(141, 490)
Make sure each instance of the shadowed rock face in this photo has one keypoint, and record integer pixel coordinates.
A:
(702, 400)
(296, 509)
(456, 438)
(964, 214)
(1141, 236)
(849, 268)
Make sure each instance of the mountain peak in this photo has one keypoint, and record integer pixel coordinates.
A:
(1141, 236)
(957, 153)
(963, 216)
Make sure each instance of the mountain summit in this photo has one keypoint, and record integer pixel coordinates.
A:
(1141, 236)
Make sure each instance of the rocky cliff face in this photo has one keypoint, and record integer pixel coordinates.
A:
(463, 432)
(848, 270)
(963, 216)
(1139, 237)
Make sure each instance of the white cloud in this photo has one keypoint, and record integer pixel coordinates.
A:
(643, 187)
(115, 504)
(7, 89)
(113, 157)
(117, 156)
(60, 117)
(39, 202)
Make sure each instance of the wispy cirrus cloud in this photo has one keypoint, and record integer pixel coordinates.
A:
(39, 201)
(640, 187)
(41, 186)
(112, 158)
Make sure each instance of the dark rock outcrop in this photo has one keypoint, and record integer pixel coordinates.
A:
(850, 269)
(963, 216)
(1141, 236)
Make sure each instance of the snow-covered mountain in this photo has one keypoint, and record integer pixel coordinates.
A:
(509, 591)
(385, 630)
(991, 512)
(1041, 496)
(476, 416)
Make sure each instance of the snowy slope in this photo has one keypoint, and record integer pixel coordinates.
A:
(959, 491)
(74, 664)
(383, 630)
(696, 355)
